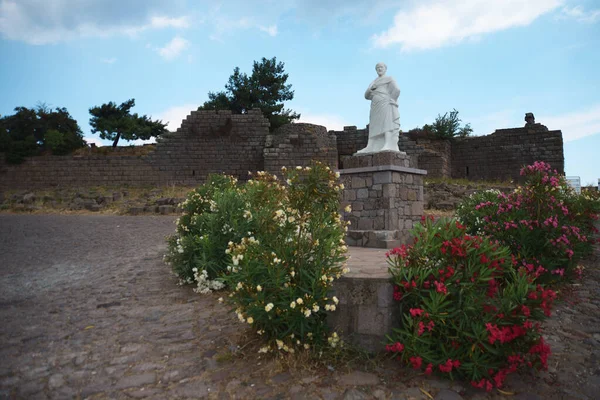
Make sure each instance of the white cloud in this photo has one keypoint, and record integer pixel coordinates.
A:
(46, 22)
(270, 30)
(174, 48)
(111, 60)
(576, 124)
(173, 116)
(166, 22)
(441, 22)
(226, 26)
(329, 121)
(580, 15)
(94, 140)
(140, 142)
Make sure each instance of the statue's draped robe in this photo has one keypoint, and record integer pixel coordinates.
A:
(384, 116)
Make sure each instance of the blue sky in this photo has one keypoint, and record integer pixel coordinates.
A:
(493, 60)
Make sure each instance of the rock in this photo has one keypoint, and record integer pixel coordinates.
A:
(135, 380)
(135, 210)
(166, 209)
(445, 205)
(413, 393)
(355, 394)
(151, 208)
(28, 198)
(233, 386)
(164, 201)
(91, 205)
(527, 396)
(446, 394)
(142, 393)
(358, 378)
(104, 200)
(116, 196)
(56, 381)
(77, 204)
(281, 378)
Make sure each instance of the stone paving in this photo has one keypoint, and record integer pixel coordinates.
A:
(88, 310)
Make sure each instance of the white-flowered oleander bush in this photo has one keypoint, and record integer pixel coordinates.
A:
(281, 274)
(212, 217)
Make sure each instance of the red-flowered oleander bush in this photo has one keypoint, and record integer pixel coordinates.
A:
(280, 274)
(467, 312)
(547, 225)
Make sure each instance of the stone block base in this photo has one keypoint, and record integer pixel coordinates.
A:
(376, 239)
(386, 196)
(366, 312)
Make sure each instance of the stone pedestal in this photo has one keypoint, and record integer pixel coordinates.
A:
(386, 196)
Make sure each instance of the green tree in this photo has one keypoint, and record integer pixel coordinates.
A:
(115, 122)
(32, 130)
(447, 126)
(266, 89)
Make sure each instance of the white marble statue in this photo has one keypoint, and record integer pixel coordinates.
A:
(384, 118)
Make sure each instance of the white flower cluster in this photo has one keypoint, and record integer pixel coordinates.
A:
(334, 340)
(205, 285)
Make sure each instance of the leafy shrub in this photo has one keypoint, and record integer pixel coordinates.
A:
(447, 126)
(283, 270)
(467, 313)
(212, 217)
(545, 224)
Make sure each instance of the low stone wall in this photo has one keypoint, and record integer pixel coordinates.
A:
(299, 144)
(207, 142)
(366, 311)
(71, 171)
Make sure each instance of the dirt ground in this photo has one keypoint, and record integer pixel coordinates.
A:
(89, 310)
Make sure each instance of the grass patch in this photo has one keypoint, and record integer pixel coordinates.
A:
(468, 183)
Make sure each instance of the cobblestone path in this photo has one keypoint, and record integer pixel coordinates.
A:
(88, 310)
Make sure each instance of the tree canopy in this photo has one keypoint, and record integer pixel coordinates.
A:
(266, 89)
(445, 126)
(32, 130)
(115, 122)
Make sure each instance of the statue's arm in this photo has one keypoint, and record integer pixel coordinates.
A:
(394, 89)
(369, 92)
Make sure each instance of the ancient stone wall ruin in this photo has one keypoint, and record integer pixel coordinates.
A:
(498, 156)
(501, 155)
(212, 142)
(298, 144)
(207, 142)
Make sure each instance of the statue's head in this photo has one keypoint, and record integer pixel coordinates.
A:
(381, 68)
(529, 118)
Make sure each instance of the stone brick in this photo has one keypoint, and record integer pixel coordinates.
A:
(358, 183)
(382, 177)
(365, 224)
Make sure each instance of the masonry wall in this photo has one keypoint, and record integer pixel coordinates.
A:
(501, 155)
(350, 140)
(299, 144)
(435, 157)
(207, 142)
(498, 156)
